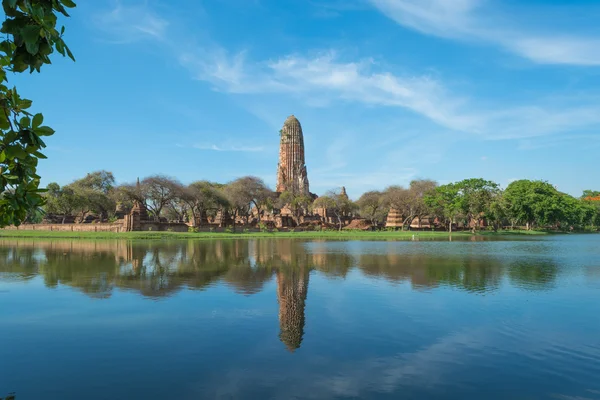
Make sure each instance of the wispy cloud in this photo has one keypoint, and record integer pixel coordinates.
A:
(128, 24)
(471, 20)
(214, 147)
(326, 76)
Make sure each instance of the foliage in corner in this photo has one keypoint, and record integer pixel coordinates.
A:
(30, 37)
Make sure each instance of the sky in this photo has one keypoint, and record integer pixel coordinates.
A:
(387, 91)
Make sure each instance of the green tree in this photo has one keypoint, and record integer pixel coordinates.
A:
(410, 203)
(338, 204)
(445, 202)
(95, 193)
(371, 206)
(297, 203)
(60, 201)
(475, 197)
(30, 37)
(202, 197)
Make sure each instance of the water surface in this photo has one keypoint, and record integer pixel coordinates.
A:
(279, 319)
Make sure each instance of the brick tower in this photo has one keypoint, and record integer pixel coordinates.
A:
(291, 171)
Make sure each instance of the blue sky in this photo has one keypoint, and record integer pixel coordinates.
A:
(386, 90)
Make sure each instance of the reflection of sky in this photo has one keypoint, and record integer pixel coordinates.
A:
(364, 336)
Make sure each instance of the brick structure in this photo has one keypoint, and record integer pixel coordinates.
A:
(394, 219)
(291, 171)
(292, 287)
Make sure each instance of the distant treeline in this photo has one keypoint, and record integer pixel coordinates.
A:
(533, 204)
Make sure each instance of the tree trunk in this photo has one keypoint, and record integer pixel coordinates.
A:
(411, 218)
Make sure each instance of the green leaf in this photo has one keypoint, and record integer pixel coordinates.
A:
(40, 155)
(37, 120)
(68, 3)
(25, 104)
(44, 131)
(12, 3)
(31, 33)
(3, 121)
(32, 47)
(25, 122)
(69, 53)
(2, 157)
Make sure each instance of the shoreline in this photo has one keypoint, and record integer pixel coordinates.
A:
(148, 235)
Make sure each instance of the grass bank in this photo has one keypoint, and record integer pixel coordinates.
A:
(366, 235)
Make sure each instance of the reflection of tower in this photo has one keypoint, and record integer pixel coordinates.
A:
(292, 287)
(291, 171)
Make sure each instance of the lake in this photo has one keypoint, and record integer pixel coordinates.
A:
(476, 318)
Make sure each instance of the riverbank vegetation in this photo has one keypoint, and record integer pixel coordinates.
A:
(326, 234)
(474, 204)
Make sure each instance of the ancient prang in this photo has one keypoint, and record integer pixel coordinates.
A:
(291, 171)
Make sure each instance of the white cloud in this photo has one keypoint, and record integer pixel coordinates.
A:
(214, 147)
(324, 78)
(128, 24)
(472, 20)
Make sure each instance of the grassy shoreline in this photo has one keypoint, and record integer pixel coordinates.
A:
(254, 235)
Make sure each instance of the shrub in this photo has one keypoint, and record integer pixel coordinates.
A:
(228, 230)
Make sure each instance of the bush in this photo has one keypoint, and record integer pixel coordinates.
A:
(192, 229)
(246, 230)
(228, 230)
(263, 227)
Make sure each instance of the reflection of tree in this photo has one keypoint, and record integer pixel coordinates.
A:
(533, 275)
(422, 270)
(292, 288)
(162, 269)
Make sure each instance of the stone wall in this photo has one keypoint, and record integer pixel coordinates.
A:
(116, 227)
(163, 226)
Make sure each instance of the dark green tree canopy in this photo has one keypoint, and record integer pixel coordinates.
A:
(30, 37)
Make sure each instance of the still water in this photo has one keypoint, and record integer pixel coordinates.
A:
(281, 319)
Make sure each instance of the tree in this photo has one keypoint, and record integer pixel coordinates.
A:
(201, 197)
(531, 202)
(30, 37)
(298, 203)
(371, 206)
(591, 194)
(444, 202)
(475, 197)
(62, 201)
(410, 202)
(95, 194)
(257, 191)
(155, 192)
(339, 204)
(239, 200)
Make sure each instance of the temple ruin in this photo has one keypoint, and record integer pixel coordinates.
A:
(291, 170)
